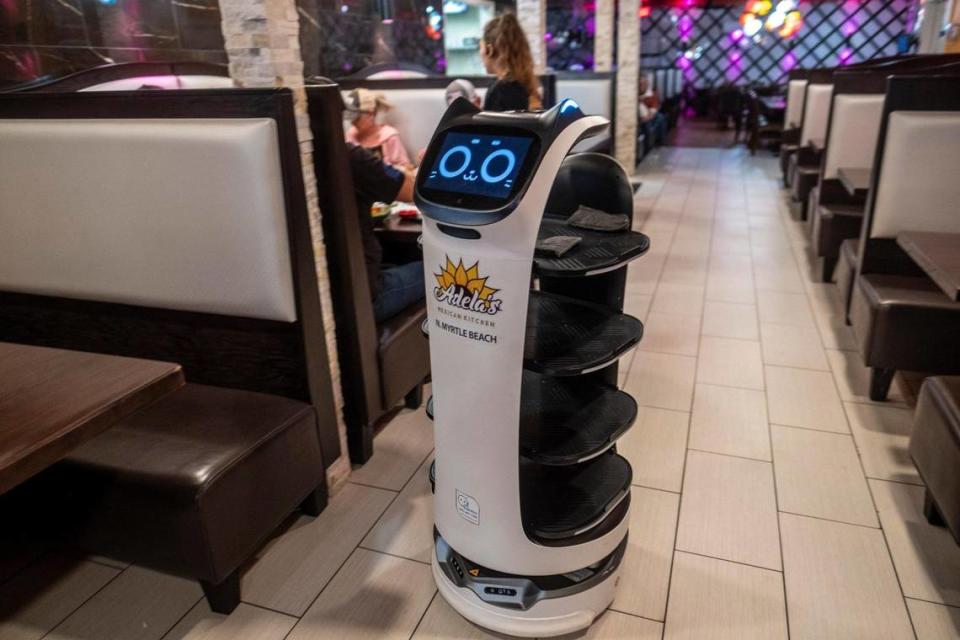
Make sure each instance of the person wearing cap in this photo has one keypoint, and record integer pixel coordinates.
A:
(365, 109)
(461, 88)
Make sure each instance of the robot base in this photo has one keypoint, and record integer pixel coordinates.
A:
(548, 617)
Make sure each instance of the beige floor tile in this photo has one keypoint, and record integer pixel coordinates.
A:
(882, 435)
(926, 557)
(620, 626)
(731, 264)
(730, 243)
(792, 346)
(442, 622)
(730, 320)
(645, 572)
(662, 380)
(138, 605)
(292, 569)
(723, 288)
(804, 398)
(669, 333)
(853, 379)
(840, 582)
(730, 421)
(784, 308)
(834, 332)
(373, 596)
(729, 510)
(41, 597)
(637, 305)
(934, 621)
(656, 446)
(643, 274)
(818, 474)
(398, 450)
(718, 600)
(679, 299)
(730, 362)
(245, 623)
(406, 528)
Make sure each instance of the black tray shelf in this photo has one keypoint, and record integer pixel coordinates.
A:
(598, 251)
(562, 504)
(565, 421)
(569, 337)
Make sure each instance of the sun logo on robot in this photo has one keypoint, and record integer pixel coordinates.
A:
(463, 287)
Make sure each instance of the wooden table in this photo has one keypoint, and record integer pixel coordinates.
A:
(938, 254)
(395, 230)
(855, 181)
(52, 400)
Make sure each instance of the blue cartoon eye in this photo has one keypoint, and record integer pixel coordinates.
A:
(500, 153)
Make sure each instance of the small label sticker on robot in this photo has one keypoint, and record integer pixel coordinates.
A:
(468, 508)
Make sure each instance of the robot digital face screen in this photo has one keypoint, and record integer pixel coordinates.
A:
(478, 164)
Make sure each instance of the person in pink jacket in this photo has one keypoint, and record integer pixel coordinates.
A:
(365, 109)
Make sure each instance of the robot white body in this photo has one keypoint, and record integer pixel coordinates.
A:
(478, 268)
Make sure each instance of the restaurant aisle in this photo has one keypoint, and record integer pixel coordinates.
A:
(772, 498)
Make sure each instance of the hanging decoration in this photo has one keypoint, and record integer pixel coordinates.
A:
(785, 20)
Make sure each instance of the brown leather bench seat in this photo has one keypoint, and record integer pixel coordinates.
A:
(905, 322)
(400, 352)
(220, 281)
(197, 469)
(935, 449)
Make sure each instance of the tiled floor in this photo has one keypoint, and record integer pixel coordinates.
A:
(772, 500)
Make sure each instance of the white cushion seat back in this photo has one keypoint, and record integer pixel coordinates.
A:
(415, 114)
(796, 90)
(163, 82)
(919, 189)
(182, 214)
(592, 94)
(854, 128)
(817, 113)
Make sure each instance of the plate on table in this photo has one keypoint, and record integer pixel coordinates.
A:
(406, 211)
(379, 210)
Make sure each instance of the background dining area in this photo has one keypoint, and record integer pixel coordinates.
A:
(210, 427)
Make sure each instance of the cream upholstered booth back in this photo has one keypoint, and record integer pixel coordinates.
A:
(816, 114)
(919, 189)
(854, 128)
(184, 214)
(796, 91)
(594, 95)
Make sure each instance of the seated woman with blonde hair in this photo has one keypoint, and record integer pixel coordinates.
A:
(365, 110)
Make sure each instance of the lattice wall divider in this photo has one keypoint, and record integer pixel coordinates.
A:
(873, 27)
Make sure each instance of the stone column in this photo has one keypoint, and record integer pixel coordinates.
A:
(263, 47)
(603, 35)
(532, 15)
(628, 67)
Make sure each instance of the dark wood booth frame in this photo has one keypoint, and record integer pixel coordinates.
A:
(370, 390)
(122, 71)
(838, 215)
(285, 359)
(883, 255)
